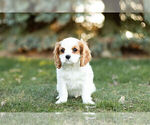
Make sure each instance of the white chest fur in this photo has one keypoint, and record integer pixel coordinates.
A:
(75, 78)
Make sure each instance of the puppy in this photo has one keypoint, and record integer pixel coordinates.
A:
(74, 73)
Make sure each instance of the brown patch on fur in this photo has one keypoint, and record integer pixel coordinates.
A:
(78, 50)
(56, 55)
(85, 53)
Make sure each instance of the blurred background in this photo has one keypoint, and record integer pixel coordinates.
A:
(112, 28)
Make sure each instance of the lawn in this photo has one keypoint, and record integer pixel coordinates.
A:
(30, 85)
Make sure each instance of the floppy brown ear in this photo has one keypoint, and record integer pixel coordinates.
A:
(85, 53)
(56, 55)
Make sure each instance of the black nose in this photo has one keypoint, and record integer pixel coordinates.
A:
(68, 56)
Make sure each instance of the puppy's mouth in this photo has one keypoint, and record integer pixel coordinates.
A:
(68, 61)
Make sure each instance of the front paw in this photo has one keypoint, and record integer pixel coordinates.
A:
(59, 101)
(57, 97)
(89, 101)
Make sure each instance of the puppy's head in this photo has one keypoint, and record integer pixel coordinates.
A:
(71, 51)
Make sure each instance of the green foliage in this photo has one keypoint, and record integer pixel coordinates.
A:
(11, 19)
(21, 24)
(40, 31)
(44, 17)
(30, 42)
(147, 11)
(96, 47)
(119, 41)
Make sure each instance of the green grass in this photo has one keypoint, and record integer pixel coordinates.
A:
(30, 85)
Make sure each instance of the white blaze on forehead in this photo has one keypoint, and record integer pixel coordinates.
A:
(69, 42)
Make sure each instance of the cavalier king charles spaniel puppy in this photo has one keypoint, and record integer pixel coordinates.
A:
(74, 73)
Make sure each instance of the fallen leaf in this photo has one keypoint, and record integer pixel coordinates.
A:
(115, 83)
(33, 78)
(122, 100)
(1, 79)
(3, 103)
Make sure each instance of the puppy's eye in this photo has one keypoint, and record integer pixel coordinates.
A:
(62, 50)
(74, 49)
